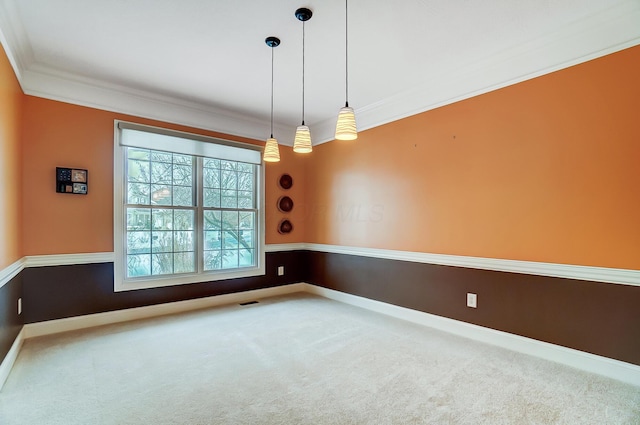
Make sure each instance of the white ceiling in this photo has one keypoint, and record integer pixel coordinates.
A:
(204, 62)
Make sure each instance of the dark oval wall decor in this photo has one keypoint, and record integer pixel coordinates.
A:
(285, 204)
(285, 226)
(286, 181)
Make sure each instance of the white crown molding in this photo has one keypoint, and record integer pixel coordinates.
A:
(568, 271)
(64, 87)
(14, 39)
(11, 271)
(68, 259)
(592, 363)
(594, 36)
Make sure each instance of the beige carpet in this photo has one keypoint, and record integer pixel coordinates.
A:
(296, 360)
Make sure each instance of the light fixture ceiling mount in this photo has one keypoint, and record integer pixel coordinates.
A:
(272, 41)
(303, 14)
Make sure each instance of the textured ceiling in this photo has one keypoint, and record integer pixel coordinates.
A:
(205, 63)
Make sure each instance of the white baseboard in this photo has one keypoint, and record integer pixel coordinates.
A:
(91, 320)
(592, 363)
(600, 365)
(10, 358)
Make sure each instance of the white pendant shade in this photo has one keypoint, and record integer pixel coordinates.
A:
(346, 125)
(271, 151)
(302, 142)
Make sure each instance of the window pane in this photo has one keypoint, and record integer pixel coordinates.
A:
(138, 219)
(138, 193)
(229, 199)
(138, 171)
(160, 194)
(183, 241)
(183, 219)
(245, 239)
(212, 198)
(183, 262)
(138, 242)
(246, 258)
(212, 260)
(228, 165)
(182, 175)
(211, 163)
(245, 168)
(182, 159)
(229, 220)
(162, 219)
(162, 241)
(211, 177)
(245, 181)
(245, 200)
(212, 240)
(138, 265)
(213, 220)
(182, 196)
(229, 259)
(229, 240)
(157, 156)
(229, 180)
(161, 172)
(247, 220)
(162, 264)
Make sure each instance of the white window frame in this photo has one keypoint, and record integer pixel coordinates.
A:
(194, 145)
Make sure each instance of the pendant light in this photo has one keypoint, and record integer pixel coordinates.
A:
(271, 150)
(346, 125)
(302, 142)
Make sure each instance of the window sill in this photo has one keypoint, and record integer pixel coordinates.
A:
(160, 282)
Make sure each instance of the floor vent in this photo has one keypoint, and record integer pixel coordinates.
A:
(249, 302)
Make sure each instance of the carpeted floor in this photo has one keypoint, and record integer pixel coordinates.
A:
(296, 359)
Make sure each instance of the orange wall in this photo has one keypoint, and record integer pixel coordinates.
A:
(546, 170)
(542, 171)
(10, 159)
(60, 134)
(293, 164)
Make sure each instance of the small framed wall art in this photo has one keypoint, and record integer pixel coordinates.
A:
(72, 180)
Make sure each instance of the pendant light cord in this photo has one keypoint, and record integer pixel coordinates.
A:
(346, 52)
(302, 72)
(272, 92)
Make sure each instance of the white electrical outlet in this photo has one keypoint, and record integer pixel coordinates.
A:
(472, 300)
(280, 270)
(19, 306)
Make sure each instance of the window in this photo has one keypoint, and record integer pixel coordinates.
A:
(187, 208)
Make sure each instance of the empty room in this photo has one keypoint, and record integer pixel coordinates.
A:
(331, 212)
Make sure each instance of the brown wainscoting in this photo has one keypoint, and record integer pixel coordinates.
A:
(57, 292)
(10, 322)
(598, 318)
